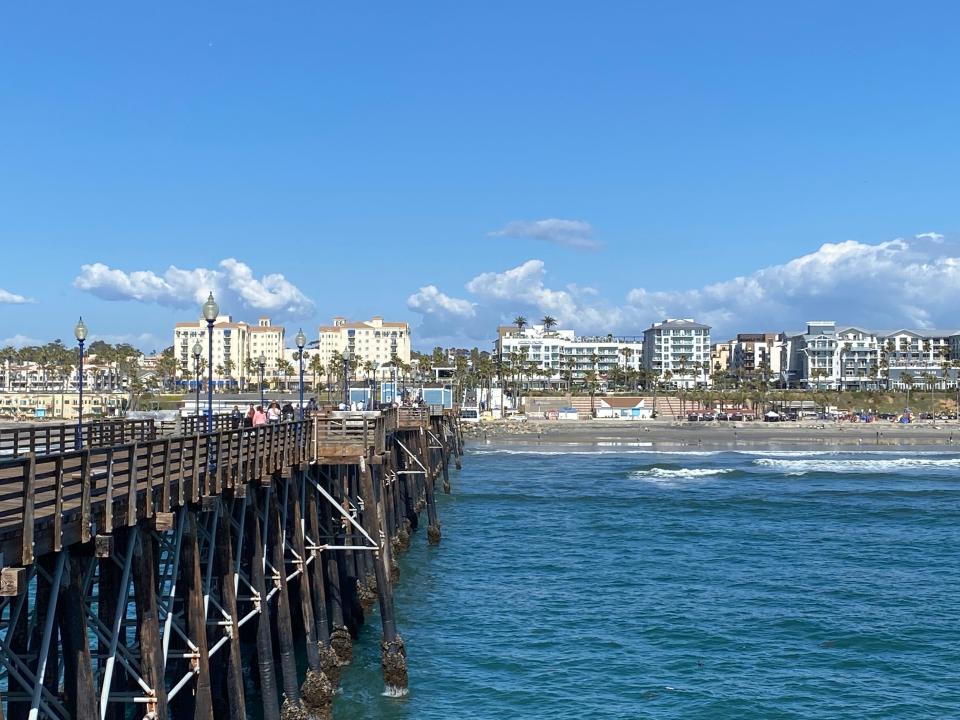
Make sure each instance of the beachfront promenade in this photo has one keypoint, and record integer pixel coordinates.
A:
(148, 574)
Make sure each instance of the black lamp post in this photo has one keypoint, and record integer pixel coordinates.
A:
(301, 340)
(80, 332)
(210, 312)
(262, 365)
(373, 387)
(197, 350)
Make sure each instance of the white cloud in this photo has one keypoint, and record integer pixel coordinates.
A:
(898, 283)
(19, 341)
(430, 301)
(9, 298)
(569, 233)
(232, 283)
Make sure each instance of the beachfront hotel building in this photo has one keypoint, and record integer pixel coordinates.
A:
(851, 357)
(237, 347)
(679, 352)
(757, 355)
(373, 340)
(562, 354)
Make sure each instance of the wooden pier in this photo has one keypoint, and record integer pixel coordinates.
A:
(142, 574)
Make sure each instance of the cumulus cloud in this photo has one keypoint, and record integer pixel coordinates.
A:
(569, 233)
(9, 298)
(911, 282)
(19, 341)
(888, 284)
(430, 301)
(232, 282)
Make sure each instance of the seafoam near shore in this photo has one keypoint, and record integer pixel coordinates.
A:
(671, 434)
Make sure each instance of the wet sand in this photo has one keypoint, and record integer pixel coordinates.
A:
(717, 435)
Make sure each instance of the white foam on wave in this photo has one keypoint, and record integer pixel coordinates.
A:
(835, 453)
(857, 466)
(535, 451)
(678, 473)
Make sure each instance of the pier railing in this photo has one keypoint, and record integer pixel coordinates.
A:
(62, 437)
(346, 434)
(411, 417)
(50, 501)
(193, 424)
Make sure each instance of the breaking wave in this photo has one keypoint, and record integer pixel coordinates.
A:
(657, 473)
(871, 466)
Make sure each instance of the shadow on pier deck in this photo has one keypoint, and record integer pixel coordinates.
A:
(136, 566)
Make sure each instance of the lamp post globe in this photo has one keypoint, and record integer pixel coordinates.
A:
(301, 340)
(210, 309)
(80, 333)
(262, 364)
(210, 312)
(197, 351)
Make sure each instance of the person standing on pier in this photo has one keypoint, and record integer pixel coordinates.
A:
(259, 416)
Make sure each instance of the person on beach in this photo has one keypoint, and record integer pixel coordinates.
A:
(248, 420)
(236, 417)
(259, 416)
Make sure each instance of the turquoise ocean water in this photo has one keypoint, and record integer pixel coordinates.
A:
(577, 583)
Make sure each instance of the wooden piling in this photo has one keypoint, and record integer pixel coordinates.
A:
(224, 563)
(78, 687)
(265, 666)
(433, 523)
(196, 618)
(148, 627)
(392, 652)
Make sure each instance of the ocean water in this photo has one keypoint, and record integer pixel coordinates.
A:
(631, 584)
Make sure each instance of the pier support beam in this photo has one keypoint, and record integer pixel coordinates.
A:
(392, 652)
(433, 523)
(148, 626)
(265, 666)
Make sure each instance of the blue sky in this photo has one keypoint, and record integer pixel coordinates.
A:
(455, 164)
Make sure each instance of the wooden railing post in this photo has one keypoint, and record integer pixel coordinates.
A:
(29, 488)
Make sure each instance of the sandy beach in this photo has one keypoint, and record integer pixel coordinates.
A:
(718, 435)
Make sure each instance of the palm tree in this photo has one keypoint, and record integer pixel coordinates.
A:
(285, 367)
(591, 383)
(520, 321)
(549, 323)
(931, 381)
(227, 368)
(907, 379)
(316, 369)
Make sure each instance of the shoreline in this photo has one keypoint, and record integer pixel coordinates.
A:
(658, 435)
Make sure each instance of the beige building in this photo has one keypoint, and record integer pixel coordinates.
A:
(65, 405)
(236, 348)
(373, 340)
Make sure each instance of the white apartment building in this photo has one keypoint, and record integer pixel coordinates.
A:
(680, 348)
(371, 340)
(237, 347)
(854, 358)
(563, 354)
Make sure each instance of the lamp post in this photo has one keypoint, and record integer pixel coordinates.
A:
(373, 387)
(197, 349)
(210, 312)
(346, 378)
(261, 365)
(301, 340)
(80, 332)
